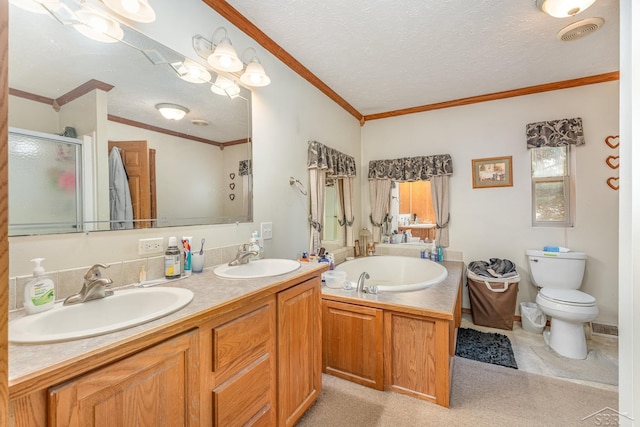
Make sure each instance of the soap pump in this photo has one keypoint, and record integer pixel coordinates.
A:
(39, 292)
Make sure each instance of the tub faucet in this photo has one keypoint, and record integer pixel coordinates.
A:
(243, 254)
(360, 286)
(94, 286)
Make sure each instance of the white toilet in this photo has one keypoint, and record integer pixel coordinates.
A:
(559, 275)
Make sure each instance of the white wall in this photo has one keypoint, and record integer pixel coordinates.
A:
(192, 188)
(285, 115)
(496, 222)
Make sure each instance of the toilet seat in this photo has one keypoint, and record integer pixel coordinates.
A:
(567, 296)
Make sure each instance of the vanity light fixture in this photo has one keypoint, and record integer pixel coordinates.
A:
(191, 72)
(224, 56)
(563, 8)
(98, 27)
(224, 86)
(251, 73)
(254, 74)
(30, 5)
(172, 111)
(135, 10)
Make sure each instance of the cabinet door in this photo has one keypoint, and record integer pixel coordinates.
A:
(299, 350)
(352, 343)
(156, 387)
(238, 367)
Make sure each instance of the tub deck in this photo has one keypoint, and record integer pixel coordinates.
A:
(399, 341)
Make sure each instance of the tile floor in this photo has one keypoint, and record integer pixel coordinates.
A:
(528, 361)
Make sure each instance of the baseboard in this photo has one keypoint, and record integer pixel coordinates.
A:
(596, 328)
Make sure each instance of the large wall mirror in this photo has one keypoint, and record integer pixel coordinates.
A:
(73, 99)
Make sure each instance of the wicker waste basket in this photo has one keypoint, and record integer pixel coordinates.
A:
(493, 300)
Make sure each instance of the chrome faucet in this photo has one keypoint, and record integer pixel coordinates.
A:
(243, 254)
(94, 286)
(360, 286)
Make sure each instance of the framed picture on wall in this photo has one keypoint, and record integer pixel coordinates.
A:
(492, 172)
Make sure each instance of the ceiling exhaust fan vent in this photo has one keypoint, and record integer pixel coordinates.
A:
(580, 29)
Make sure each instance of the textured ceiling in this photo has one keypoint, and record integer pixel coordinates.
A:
(381, 55)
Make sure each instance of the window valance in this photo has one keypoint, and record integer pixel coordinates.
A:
(335, 163)
(407, 169)
(555, 133)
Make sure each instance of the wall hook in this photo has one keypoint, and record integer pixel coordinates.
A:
(298, 184)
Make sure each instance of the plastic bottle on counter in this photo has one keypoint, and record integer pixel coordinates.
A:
(172, 259)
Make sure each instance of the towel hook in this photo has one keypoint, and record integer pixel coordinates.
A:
(298, 184)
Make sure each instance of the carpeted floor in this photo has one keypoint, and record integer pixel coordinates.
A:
(482, 395)
(485, 347)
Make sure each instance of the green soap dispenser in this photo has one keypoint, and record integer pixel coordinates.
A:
(39, 292)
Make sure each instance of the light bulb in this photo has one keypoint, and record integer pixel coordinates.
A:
(131, 6)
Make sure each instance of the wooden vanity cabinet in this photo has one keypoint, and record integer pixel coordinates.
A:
(299, 350)
(352, 343)
(155, 387)
(256, 362)
(238, 365)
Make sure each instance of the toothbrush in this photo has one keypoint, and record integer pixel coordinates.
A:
(202, 246)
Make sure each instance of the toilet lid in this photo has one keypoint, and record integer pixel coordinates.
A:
(571, 296)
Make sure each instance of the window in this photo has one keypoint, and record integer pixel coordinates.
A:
(414, 200)
(551, 185)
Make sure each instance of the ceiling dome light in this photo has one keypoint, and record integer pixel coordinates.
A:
(563, 8)
(135, 10)
(223, 86)
(98, 27)
(224, 57)
(254, 75)
(172, 111)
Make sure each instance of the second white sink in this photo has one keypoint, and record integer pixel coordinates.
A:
(255, 269)
(122, 310)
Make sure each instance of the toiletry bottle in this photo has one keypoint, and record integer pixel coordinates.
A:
(255, 245)
(186, 245)
(172, 260)
(39, 292)
(439, 253)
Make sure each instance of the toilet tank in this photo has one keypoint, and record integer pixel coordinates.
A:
(556, 270)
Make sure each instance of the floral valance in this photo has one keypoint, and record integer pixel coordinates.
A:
(555, 133)
(334, 162)
(244, 168)
(411, 168)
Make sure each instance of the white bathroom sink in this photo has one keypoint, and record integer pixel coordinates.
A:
(122, 310)
(255, 269)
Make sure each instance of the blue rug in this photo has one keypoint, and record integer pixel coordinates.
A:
(485, 347)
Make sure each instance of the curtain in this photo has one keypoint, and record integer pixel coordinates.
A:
(328, 164)
(380, 194)
(316, 213)
(344, 191)
(555, 133)
(440, 196)
(408, 169)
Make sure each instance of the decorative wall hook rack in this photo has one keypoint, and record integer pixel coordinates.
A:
(613, 141)
(298, 184)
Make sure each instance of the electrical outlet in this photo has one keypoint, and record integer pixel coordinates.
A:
(150, 246)
(266, 230)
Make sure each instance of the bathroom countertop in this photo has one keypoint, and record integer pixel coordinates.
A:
(436, 301)
(30, 364)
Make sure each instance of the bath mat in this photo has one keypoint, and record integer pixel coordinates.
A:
(596, 367)
(485, 347)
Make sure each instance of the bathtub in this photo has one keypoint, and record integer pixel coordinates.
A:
(395, 273)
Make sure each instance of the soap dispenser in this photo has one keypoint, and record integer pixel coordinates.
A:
(39, 292)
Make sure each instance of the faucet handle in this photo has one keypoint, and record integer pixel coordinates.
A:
(94, 272)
